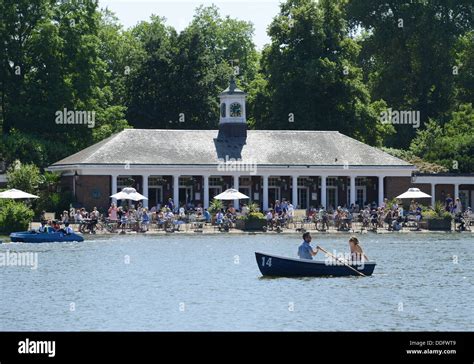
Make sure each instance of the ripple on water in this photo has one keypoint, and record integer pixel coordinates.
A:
(197, 283)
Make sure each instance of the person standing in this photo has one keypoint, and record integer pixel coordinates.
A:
(448, 203)
(113, 212)
(458, 206)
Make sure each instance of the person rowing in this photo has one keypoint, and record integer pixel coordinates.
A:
(356, 250)
(305, 251)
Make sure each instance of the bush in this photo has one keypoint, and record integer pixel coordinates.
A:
(53, 202)
(253, 216)
(14, 216)
(25, 177)
(215, 206)
(437, 213)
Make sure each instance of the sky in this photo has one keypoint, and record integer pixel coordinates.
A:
(179, 13)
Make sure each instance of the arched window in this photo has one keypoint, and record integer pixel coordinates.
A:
(223, 110)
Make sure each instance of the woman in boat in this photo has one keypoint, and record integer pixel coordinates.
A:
(356, 250)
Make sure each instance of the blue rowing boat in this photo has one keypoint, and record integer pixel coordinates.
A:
(35, 237)
(272, 265)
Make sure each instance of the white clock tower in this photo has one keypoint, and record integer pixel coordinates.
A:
(232, 120)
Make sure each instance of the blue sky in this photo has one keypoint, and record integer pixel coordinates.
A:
(180, 12)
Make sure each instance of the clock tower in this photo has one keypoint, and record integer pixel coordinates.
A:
(232, 120)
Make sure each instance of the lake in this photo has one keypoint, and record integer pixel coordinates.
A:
(212, 282)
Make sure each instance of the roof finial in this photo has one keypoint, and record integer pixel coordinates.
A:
(232, 84)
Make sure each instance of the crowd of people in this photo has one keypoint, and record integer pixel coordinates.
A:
(391, 215)
(280, 215)
(48, 226)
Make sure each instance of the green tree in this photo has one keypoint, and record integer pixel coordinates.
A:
(465, 65)
(450, 145)
(180, 75)
(14, 216)
(52, 58)
(150, 99)
(25, 177)
(409, 54)
(312, 73)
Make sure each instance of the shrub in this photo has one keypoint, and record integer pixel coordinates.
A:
(253, 207)
(53, 202)
(216, 205)
(14, 216)
(25, 177)
(253, 216)
(437, 213)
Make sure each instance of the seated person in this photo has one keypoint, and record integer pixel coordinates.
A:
(219, 217)
(67, 229)
(396, 225)
(55, 226)
(305, 251)
(43, 228)
(145, 219)
(207, 215)
(357, 253)
(418, 214)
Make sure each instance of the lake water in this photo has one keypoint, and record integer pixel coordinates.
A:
(162, 283)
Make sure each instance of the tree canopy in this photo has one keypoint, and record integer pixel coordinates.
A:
(330, 65)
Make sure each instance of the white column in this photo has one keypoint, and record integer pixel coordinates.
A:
(353, 190)
(176, 190)
(323, 191)
(74, 186)
(114, 187)
(236, 186)
(294, 191)
(381, 190)
(206, 191)
(433, 193)
(145, 189)
(456, 192)
(265, 193)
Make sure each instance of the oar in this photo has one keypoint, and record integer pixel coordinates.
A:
(347, 265)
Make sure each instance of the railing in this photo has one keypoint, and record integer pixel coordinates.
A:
(327, 223)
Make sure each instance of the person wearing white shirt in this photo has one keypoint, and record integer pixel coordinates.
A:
(67, 229)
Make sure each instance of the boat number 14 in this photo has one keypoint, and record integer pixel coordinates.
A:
(268, 262)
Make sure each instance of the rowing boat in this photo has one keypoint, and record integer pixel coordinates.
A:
(35, 237)
(273, 265)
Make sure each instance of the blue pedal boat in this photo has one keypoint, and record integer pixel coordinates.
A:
(272, 265)
(35, 237)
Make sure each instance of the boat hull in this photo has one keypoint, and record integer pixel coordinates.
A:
(32, 237)
(275, 266)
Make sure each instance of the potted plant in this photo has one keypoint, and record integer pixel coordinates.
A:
(215, 206)
(253, 220)
(438, 219)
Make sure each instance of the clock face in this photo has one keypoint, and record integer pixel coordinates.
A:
(235, 110)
